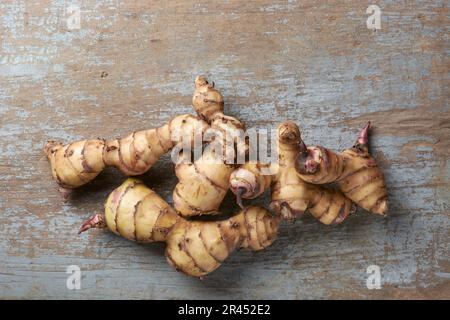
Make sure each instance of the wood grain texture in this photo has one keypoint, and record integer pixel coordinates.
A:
(131, 66)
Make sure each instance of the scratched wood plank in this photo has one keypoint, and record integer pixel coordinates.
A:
(131, 65)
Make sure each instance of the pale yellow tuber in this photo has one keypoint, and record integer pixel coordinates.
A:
(196, 248)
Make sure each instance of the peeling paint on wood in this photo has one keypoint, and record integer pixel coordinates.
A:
(132, 65)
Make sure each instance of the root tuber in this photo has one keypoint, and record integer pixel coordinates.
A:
(204, 182)
(195, 248)
(291, 196)
(355, 171)
(78, 163)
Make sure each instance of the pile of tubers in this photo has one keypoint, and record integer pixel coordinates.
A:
(297, 183)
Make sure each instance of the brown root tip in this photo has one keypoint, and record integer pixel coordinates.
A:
(65, 193)
(201, 81)
(381, 208)
(50, 147)
(96, 221)
(289, 133)
(363, 138)
(239, 192)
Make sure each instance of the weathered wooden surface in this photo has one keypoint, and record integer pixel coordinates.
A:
(131, 65)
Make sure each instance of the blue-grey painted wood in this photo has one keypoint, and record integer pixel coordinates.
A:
(131, 66)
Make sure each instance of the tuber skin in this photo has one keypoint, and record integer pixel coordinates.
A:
(291, 196)
(195, 248)
(204, 183)
(355, 171)
(77, 163)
